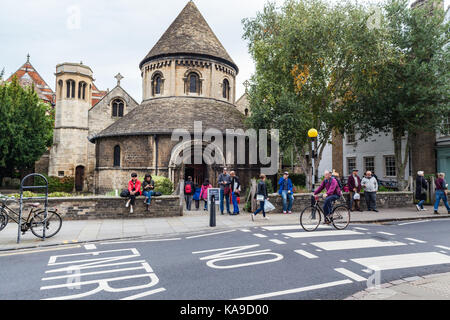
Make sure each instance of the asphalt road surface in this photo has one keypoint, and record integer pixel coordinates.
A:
(261, 262)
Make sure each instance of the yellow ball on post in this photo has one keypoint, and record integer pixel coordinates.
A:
(312, 133)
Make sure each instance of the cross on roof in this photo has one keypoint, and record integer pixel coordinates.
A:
(246, 85)
(28, 58)
(118, 77)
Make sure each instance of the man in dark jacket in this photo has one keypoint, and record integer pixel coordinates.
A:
(421, 190)
(354, 186)
(189, 190)
(225, 190)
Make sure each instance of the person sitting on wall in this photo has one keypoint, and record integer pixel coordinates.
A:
(148, 187)
(134, 189)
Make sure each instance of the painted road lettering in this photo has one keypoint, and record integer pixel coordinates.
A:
(101, 271)
(266, 256)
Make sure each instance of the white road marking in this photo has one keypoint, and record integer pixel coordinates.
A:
(415, 240)
(90, 247)
(386, 233)
(442, 251)
(443, 247)
(350, 274)
(318, 250)
(296, 290)
(343, 261)
(140, 241)
(277, 241)
(306, 254)
(403, 224)
(286, 237)
(401, 261)
(359, 228)
(367, 270)
(245, 230)
(291, 227)
(355, 244)
(144, 294)
(321, 233)
(209, 234)
(260, 235)
(38, 250)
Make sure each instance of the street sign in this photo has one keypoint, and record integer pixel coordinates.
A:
(216, 192)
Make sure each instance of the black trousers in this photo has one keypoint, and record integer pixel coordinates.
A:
(133, 198)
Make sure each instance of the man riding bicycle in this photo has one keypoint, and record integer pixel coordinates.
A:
(333, 193)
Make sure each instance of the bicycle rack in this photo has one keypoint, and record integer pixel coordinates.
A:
(22, 187)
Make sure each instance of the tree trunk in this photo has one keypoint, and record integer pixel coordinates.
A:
(400, 161)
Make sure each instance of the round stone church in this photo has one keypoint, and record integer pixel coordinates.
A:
(187, 77)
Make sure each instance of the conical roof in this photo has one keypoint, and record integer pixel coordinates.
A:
(189, 34)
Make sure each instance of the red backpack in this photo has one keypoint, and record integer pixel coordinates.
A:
(187, 188)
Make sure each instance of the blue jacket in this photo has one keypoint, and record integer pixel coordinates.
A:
(281, 184)
(197, 194)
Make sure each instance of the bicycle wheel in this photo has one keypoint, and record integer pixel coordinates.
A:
(3, 219)
(52, 226)
(341, 217)
(310, 218)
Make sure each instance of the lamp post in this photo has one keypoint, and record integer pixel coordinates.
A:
(312, 134)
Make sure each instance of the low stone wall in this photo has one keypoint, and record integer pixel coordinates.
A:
(81, 208)
(384, 200)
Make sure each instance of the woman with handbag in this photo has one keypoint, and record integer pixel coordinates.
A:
(421, 190)
(261, 196)
(235, 190)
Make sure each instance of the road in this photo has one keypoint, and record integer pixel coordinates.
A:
(261, 262)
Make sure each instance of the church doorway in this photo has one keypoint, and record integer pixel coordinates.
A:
(196, 171)
(79, 177)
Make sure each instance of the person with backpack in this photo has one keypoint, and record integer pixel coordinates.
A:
(204, 193)
(188, 192)
(148, 187)
(134, 189)
(441, 193)
(196, 197)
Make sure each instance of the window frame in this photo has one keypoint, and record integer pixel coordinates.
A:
(117, 105)
(226, 89)
(386, 157)
(117, 156)
(365, 164)
(350, 169)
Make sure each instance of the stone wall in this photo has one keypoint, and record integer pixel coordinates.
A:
(384, 200)
(82, 208)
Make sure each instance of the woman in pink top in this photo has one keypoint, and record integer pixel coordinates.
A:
(204, 192)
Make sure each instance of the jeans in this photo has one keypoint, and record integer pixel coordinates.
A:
(371, 200)
(261, 208)
(235, 204)
(206, 204)
(440, 194)
(188, 198)
(227, 201)
(148, 194)
(285, 195)
(420, 204)
(328, 204)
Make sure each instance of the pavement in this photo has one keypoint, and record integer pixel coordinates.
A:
(428, 287)
(79, 231)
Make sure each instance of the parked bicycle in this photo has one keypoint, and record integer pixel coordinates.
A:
(35, 221)
(311, 216)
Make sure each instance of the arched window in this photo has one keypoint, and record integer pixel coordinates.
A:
(70, 84)
(157, 84)
(226, 89)
(117, 156)
(60, 88)
(193, 83)
(117, 108)
(246, 112)
(82, 90)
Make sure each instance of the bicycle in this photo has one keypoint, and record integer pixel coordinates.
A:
(310, 217)
(35, 221)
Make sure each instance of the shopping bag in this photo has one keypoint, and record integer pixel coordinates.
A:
(356, 196)
(268, 206)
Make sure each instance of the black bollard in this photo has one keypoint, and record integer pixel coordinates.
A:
(212, 212)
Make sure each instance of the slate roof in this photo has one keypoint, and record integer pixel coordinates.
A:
(189, 34)
(163, 115)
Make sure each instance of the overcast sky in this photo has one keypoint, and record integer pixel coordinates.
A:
(111, 36)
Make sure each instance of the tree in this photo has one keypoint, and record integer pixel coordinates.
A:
(308, 55)
(409, 91)
(26, 128)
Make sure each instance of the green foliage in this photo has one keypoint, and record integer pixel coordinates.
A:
(26, 127)
(59, 195)
(56, 184)
(26, 194)
(163, 185)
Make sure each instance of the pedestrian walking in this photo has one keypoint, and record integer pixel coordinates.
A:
(370, 184)
(286, 192)
(354, 186)
(421, 190)
(148, 187)
(204, 193)
(261, 196)
(188, 192)
(196, 196)
(225, 190)
(134, 189)
(441, 192)
(235, 191)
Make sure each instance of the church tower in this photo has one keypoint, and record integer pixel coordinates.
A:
(68, 155)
